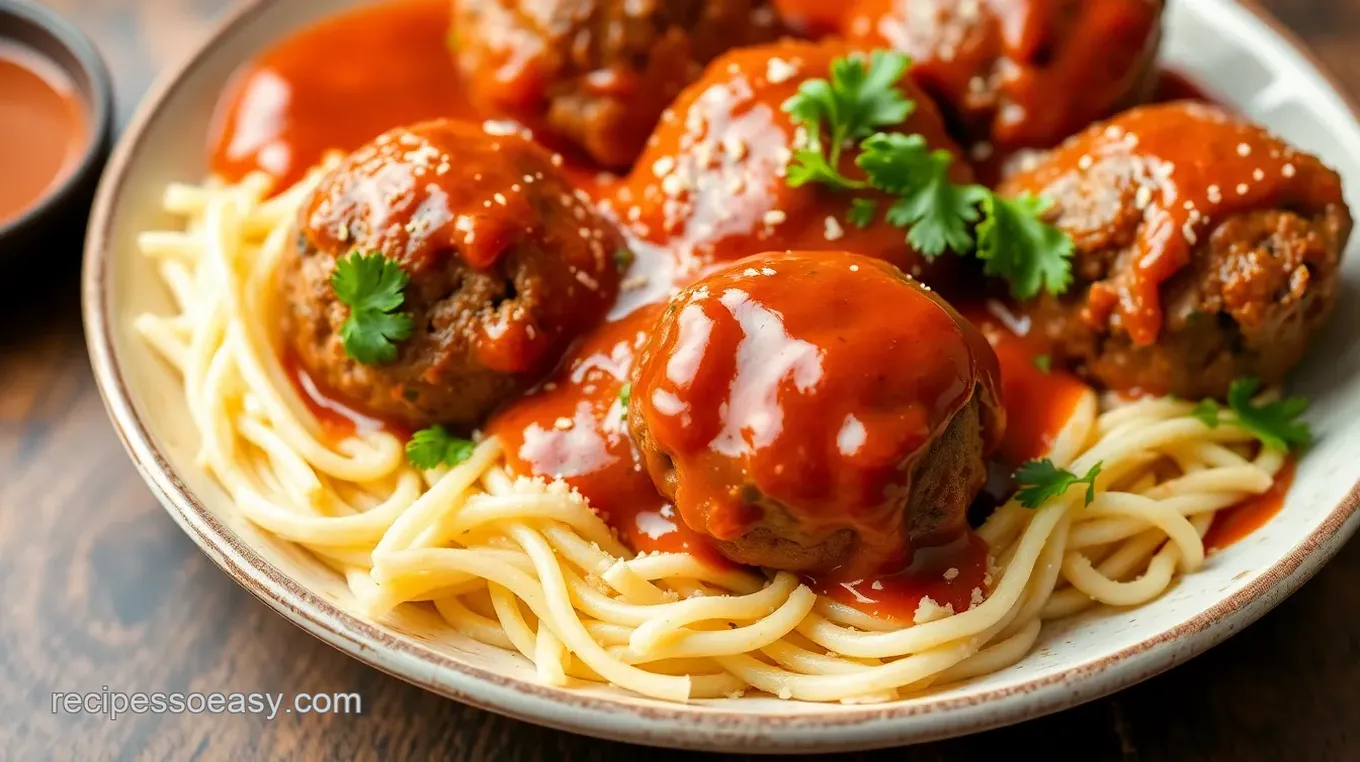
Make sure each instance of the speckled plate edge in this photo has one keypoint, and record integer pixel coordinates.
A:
(689, 727)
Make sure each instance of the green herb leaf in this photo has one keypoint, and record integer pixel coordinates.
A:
(1044, 363)
(1207, 411)
(810, 166)
(938, 214)
(623, 259)
(1040, 481)
(434, 446)
(372, 287)
(1016, 244)
(848, 107)
(625, 396)
(862, 212)
(1275, 423)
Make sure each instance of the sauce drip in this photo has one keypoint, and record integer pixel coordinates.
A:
(44, 127)
(1235, 523)
(1039, 402)
(575, 427)
(773, 396)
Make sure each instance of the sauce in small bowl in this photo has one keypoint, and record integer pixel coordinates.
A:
(55, 123)
(44, 127)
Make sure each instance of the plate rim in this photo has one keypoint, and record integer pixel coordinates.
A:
(696, 727)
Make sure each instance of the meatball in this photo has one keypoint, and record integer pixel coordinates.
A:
(506, 265)
(597, 72)
(801, 425)
(1014, 74)
(1206, 249)
(712, 187)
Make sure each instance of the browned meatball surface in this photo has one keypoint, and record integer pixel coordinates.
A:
(1206, 249)
(1020, 73)
(507, 265)
(597, 72)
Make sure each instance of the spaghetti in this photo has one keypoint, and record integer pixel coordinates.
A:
(527, 565)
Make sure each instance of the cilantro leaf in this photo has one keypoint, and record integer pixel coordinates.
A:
(810, 166)
(434, 446)
(372, 287)
(1040, 480)
(625, 396)
(867, 99)
(862, 212)
(1016, 244)
(850, 106)
(1044, 363)
(1275, 423)
(938, 213)
(623, 258)
(858, 99)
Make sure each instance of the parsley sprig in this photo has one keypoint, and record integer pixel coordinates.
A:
(435, 446)
(372, 286)
(940, 215)
(1040, 480)
(1275, 423)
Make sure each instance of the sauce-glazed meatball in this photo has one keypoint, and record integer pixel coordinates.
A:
(506, 264)
(813, 410)
(597, 72)
(712, 185)
(1206, 249)
(1020, 73)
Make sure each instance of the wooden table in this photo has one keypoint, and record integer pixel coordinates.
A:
(100, 588)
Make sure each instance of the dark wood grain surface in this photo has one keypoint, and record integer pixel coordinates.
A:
(98, 587)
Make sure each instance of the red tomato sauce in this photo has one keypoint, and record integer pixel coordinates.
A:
(574, 427)
(341, 83)
(44, 126)
(335, 86)
(1039, 401)
(947, 574)
(1235, 523)
(338, 420)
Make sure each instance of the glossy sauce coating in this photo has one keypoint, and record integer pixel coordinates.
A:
(1039, 400)
(814, 381)
(1186, 167)
(1020, 73)
(574, 427)
(335, 86)
(423, 194)
(711, 186)
(44, 127)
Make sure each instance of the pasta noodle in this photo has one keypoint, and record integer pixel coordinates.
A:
(526, 565)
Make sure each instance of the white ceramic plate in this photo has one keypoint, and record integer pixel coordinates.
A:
(1240, 55)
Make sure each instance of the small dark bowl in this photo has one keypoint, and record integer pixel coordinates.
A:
(59, 215)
